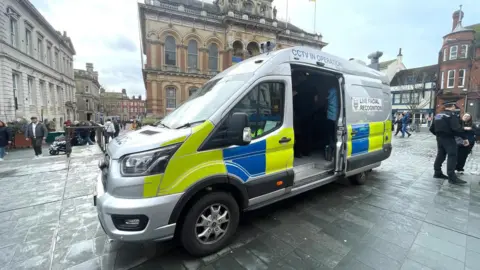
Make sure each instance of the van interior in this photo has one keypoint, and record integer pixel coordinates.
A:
(315, 131)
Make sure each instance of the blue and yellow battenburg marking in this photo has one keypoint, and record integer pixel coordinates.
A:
(365, 138)
(246, 161)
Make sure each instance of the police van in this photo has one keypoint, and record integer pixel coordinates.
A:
(231, 147)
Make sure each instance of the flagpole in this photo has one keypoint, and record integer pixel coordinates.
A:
(315, 18)
(286, 19)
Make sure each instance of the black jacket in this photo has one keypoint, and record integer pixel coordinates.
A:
(5, 136)
(447, 124)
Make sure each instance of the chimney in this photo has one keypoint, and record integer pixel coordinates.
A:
(399, 56)
(140, 97)
(95, 75)
(374, 60)
(457, 18)
(89, 67)
(124, 91)
(65, 33)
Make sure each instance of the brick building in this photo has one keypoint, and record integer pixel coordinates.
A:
(120, 106)
(459, 67)
(187, 42)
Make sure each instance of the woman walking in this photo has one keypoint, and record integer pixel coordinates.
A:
(5, 139)
(398, 121)
(464, 151)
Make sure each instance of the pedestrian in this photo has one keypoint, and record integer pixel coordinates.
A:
(37, 133)
(117, 128)
(405, 121)
(109, 130)
(398, 121)
(464, 151)
(5, 139)
(445, 126)
(85, 131)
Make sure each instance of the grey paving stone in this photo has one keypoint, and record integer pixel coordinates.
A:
(444, 234)
(248, 259)
(441, 246)
(472, 259)
(385, 247)
(473, 244)
(433, 259)
(413, 265)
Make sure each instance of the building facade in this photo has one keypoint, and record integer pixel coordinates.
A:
(459, 67)
(391, 67)
(36, 66)
(136, 107)
(88, 93)
(414, 90)
(186, 42)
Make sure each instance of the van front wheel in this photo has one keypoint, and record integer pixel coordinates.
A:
(210, 224)
(359, 179)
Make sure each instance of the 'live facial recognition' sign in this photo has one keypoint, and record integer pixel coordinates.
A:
(366, 104)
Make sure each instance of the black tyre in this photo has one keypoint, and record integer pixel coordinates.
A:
(210, 224)
(53, 152)
(359, 179)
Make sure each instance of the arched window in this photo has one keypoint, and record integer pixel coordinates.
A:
(192, 90)
(171, 94)
(213, 57)
(170, 51)
(192, 54)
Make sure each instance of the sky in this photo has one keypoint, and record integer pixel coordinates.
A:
(106, 32)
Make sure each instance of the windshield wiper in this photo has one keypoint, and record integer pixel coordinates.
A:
(163, 125)
(190, 124)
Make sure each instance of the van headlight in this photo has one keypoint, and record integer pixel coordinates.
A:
(147, 163)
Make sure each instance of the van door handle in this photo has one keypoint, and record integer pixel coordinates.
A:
(285, 140)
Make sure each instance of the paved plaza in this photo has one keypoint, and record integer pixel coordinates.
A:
(401, 219)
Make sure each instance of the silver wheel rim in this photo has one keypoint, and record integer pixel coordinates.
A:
(212, 224)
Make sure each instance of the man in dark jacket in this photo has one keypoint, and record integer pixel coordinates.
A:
(446, 126)
(117, 128)
(37, 133)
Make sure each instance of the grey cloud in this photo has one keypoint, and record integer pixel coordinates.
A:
(121, 43)
(125, 76)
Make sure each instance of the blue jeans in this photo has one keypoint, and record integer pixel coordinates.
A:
(88, 140)
(2, 152)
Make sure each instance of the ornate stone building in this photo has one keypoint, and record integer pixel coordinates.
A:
(186, 42)
(88, 93)
(36, 66)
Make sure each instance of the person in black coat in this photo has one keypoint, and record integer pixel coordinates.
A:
(464, 151)
(117, 128)
(5, 139)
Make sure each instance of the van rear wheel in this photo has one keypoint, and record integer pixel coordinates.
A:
(359, 179)
(210, 224)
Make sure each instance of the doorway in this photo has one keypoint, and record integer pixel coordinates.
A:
(316, 108)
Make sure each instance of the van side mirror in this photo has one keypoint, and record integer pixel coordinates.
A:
(238, 130)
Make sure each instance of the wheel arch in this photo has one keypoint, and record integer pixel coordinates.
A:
(215, 183)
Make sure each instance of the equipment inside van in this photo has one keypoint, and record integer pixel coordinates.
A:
(266, 129)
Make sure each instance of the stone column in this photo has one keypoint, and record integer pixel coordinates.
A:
(149, 54)
(204, 57)
(181, 57)
(149, 98)
(159, 53)
(183, 90)
(227, 59)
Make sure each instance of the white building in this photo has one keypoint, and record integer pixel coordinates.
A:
(36, 66)
(391, 67)
(414, 90)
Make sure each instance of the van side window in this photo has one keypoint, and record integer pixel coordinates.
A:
(264, 106)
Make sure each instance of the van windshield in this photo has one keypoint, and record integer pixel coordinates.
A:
(205, 101)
